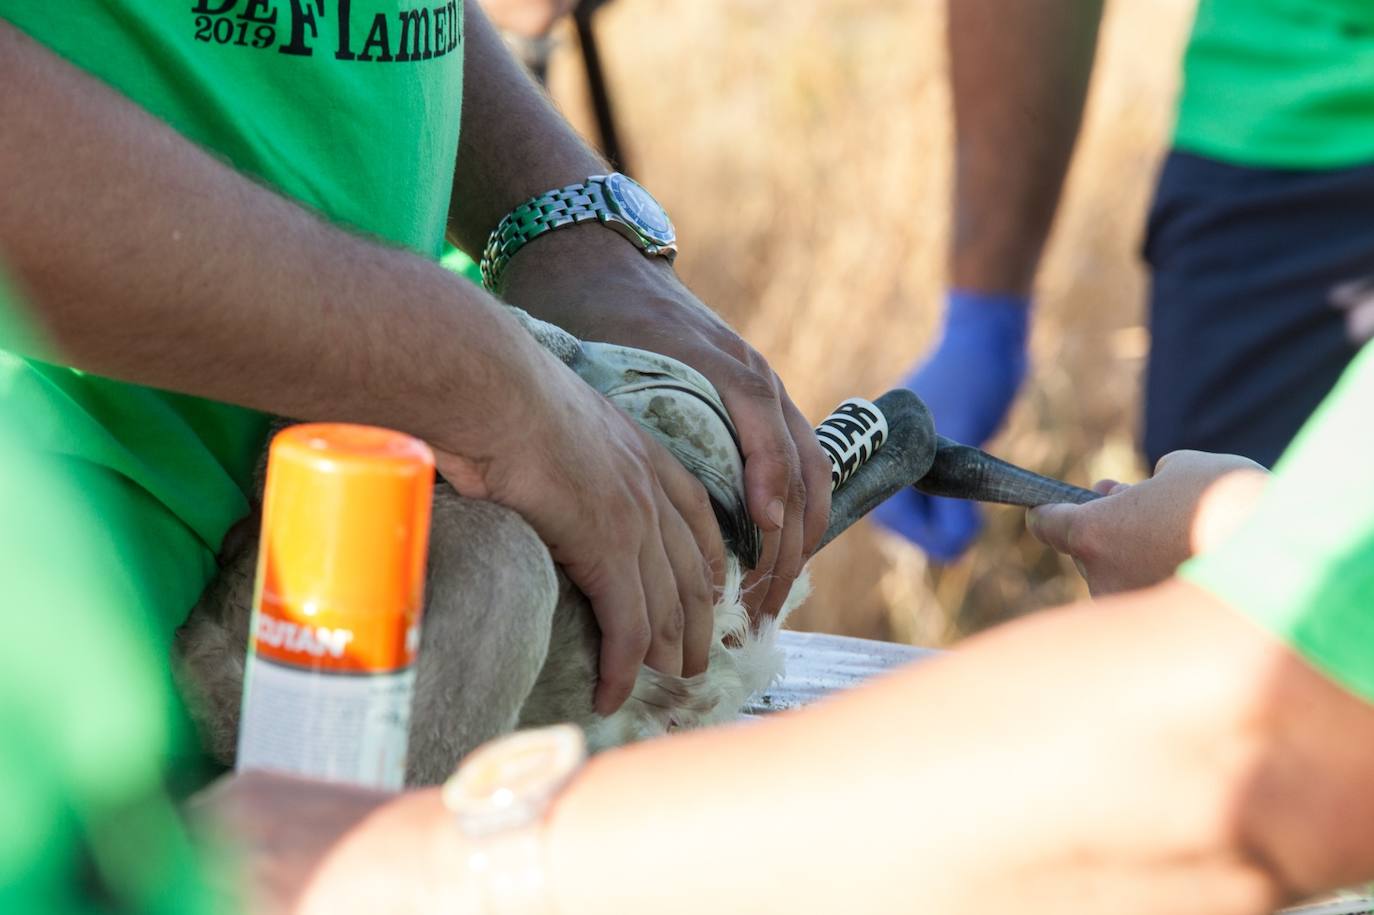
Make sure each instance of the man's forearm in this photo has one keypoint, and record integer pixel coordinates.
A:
(1158, 751)
(1155, 752)
(152, 262)
(513, 144)
(1019, 73)
(595, 284)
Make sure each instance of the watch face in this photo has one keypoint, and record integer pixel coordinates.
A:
(638, 207)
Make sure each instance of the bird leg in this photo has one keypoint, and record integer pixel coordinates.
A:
(910, 453)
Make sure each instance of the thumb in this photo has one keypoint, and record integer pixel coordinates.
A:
(1050, 524)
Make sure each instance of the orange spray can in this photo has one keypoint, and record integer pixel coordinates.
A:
(337, 604)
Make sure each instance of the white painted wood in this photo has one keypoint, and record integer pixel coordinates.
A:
(1344, 904)
(818, 665)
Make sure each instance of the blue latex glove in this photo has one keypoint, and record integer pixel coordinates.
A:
(968, 382)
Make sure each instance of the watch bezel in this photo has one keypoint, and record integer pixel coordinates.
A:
(617, 192)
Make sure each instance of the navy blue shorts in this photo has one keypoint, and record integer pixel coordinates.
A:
(1262, 285)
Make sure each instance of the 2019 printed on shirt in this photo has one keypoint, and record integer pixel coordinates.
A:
(308, 27)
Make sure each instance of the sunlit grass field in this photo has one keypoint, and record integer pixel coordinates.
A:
(803, 150)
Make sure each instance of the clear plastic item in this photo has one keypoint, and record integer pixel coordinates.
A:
(500, 797)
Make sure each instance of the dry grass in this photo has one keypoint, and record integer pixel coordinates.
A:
(804, 151)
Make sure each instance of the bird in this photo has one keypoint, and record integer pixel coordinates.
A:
(508, 642)
(678, 407)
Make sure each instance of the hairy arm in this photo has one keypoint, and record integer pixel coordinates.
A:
(592, 282)
(513, 144)
(1019, 73)
(1156, 751)
(153, 262)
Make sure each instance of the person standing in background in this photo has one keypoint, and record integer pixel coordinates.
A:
(1258, 245)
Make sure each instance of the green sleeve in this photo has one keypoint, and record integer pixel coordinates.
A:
(87, 718)
(1303, 564)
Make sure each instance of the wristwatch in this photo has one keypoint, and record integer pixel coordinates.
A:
(617, 201)
(500, 797)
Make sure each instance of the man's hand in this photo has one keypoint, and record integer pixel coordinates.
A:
(1138, 535)
(597, 286)
(969, 382)
(594, 283)
(630, 526)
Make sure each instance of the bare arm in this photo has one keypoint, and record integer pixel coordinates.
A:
(1156, 750)
(155, 263)
(595, 284)
(1019, 73)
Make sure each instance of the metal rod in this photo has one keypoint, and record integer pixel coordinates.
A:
(597, 89)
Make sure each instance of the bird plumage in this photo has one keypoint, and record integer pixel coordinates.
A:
(677, 406)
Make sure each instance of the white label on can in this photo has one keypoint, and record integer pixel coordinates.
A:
(339, 727)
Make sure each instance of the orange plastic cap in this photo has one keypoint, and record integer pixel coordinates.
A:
(345, 530)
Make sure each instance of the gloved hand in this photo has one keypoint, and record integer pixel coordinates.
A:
(968, 381)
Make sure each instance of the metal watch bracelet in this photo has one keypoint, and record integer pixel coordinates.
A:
(614, 200)
(543, 213)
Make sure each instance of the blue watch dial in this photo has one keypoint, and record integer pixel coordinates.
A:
(638, 207)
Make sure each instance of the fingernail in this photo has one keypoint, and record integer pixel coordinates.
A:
(776, 513)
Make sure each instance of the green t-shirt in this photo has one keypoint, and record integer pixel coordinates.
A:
(351, 108)
(87, 718)
(1280, 83)
(1303, 564)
